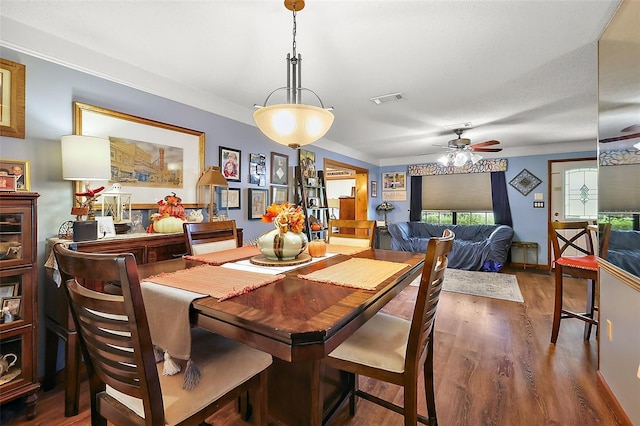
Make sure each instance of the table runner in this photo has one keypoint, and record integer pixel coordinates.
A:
(215, 281)
(168, 297)
(224, 256)
(358, 273)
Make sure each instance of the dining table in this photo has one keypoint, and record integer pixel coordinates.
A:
(298, 322)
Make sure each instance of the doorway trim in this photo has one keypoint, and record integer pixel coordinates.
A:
(362, 186)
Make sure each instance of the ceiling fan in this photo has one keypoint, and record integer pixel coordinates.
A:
(461, 150)
(633, 128)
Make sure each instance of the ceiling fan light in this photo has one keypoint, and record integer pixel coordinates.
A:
(444, 160)
(475, 157)
(637, 146)
(460, 159)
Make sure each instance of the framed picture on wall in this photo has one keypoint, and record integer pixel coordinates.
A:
(19, 169)
(279, 168)
(394, 181)
(12, 85)
(229, 198)
(307, 162)
(257, 203)
(258, 169)
(279, 194)
(230, 163)
(374, 189)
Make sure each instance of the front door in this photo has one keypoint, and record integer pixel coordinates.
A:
(574, 193)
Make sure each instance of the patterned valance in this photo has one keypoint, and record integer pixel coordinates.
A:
(482, 166)
(619, 157)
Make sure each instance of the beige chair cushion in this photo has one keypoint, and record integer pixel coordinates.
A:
(354, 242)
(380, 343)
(224, 364)
(214, 246)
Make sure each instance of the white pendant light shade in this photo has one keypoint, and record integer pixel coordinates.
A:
(293, 125)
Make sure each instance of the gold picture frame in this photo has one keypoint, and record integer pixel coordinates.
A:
(96, 121)
(11, 167)
(12, 90)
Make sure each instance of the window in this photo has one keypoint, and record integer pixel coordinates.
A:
(581, 193)
(457, 218)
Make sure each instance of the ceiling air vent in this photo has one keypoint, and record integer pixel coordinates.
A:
(383, 99)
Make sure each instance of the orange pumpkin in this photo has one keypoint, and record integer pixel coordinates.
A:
(315, 226)
(317, 248)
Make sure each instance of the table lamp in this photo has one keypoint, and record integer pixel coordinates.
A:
(85, 159)
(210, 179)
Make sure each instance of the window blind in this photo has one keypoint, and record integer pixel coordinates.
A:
(620, 188)
(457, 192)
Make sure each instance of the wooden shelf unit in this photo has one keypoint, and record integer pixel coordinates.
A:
(18, 275)
(305, 191)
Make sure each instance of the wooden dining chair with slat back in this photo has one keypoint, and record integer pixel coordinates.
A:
(574, 256)
(208, 237)
(126, 384)
(395, 350)
(360, 232)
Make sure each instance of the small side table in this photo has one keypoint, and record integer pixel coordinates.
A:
(526, 246)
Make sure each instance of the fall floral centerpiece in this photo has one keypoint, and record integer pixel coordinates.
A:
(286, 241)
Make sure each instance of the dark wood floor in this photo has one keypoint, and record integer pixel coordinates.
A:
(493, 360)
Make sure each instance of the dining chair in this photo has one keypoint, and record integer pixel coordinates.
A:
(208, 237)
(393, 349)
(126, 384)
(362, 236)
(574, 256)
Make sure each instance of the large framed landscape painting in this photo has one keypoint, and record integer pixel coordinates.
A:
(149, 159)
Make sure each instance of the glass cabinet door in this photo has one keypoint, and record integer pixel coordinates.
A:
(15, 236)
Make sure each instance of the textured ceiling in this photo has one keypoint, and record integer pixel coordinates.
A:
(522, 72)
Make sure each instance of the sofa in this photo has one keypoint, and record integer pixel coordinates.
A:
(475, 247)
(624, 250)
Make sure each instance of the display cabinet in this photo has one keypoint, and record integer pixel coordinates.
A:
(311, 194)
(18, 299)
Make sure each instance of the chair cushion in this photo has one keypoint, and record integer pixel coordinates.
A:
(589, 262)
(214, 246)
(380, 343)
(224, 364)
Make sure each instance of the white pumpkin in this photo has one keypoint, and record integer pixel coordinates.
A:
(168, 224)
(196, 216)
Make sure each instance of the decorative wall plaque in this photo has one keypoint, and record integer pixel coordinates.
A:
(525, 182)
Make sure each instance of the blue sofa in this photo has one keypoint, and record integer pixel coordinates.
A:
(624, 250)
(475, 247)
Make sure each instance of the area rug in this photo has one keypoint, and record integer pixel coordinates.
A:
(484, 284)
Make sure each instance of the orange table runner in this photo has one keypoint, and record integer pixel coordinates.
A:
(216, 281)
(364, 274)
(224, 256)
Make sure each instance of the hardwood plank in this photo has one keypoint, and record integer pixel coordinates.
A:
(494, 364)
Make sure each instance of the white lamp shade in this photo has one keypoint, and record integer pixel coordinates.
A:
(85, 158)
(293, 125)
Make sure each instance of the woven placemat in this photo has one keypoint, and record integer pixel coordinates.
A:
(224, 256)
(345, 249)
(366, 274)
(216, 281)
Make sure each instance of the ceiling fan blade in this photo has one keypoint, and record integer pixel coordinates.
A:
(485, 143)
(632, 128)
(620, 138)
(486, 149)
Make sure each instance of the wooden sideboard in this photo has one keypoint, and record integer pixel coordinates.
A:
(147, 248)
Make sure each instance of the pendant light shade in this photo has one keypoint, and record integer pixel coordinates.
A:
(293, 123)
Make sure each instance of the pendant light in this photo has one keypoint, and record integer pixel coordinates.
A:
(293, 123)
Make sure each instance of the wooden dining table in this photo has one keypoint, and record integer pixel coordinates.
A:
(299, 322)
